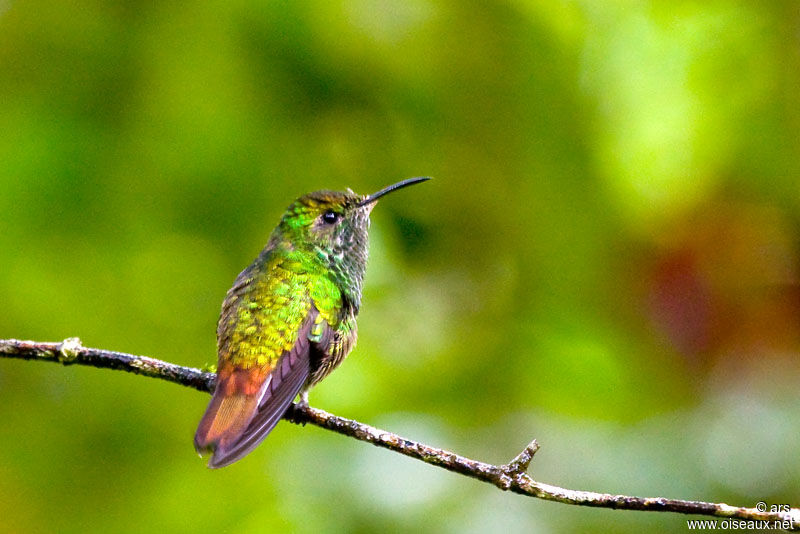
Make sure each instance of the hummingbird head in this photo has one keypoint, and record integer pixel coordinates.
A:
(333, 226)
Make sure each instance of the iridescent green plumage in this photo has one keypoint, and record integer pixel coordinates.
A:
(289, 319)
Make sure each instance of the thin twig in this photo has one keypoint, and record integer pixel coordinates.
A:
(511, 476)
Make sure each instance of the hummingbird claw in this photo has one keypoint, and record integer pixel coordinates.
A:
(302, 404)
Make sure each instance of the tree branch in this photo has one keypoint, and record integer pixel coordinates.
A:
(511, 476)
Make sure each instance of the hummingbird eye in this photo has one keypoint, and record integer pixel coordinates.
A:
(330, 217)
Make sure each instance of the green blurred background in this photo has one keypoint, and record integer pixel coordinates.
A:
(607, 259)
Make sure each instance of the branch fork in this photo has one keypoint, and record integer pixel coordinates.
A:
(515, 471)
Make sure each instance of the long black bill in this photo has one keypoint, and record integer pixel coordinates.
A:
(394, 187)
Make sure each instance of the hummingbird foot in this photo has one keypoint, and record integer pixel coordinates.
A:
(302, 404)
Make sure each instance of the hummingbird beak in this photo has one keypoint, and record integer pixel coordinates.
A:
(371, 199)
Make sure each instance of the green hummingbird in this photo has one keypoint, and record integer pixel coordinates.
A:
(289, 319)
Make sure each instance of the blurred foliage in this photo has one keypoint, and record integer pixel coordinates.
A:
(607, 259)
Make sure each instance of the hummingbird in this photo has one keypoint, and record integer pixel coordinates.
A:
(289, 319)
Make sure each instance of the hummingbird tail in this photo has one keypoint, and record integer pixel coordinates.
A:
(231, 408)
